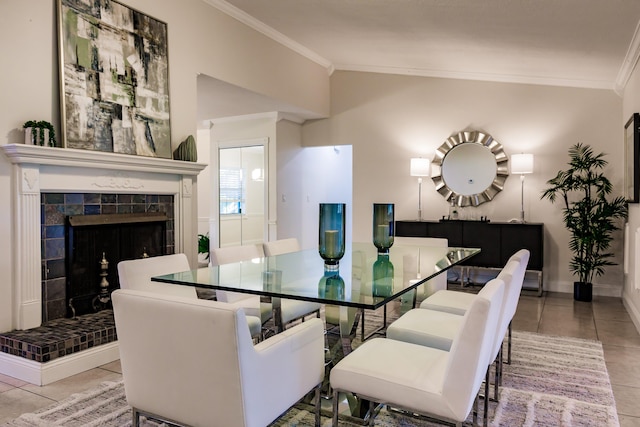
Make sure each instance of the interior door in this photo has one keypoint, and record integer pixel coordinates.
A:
(242, 195)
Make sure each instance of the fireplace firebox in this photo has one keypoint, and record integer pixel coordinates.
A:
(78, 228)
(96, 243)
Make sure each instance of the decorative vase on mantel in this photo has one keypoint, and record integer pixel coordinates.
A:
(34, 136)
(39, 132)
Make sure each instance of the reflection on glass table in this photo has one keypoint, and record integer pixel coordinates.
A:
(365, 280)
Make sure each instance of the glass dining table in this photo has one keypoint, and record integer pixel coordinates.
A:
(364, 280)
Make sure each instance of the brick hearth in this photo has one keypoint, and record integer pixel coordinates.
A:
(60, 337)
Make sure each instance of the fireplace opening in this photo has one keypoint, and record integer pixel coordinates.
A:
(57, 208)
(96, 243)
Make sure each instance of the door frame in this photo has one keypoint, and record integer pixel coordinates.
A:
(240, 143)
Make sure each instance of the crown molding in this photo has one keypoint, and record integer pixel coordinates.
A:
(629, 63)
(261, 27)
(500, 78)
(632, 57)
(269, 116)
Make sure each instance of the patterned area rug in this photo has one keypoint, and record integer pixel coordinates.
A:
(552, 381)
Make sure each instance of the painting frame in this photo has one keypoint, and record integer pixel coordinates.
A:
(114, 79)
(632, 159)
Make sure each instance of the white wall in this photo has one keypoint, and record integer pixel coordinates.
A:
(305, 178)
(631, 293)
(327, 178)
(389, 119)
(201, 40)
(205, 189)
(290, 166)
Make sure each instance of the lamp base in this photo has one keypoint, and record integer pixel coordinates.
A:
(522, 217)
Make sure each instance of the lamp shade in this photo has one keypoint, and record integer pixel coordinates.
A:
(521, 164)
(420, 167)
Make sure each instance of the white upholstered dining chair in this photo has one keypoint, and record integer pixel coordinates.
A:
(192, 362)
(459, 302)
(429, 381)
(438, 329)
(427, 264)
(294, 309)
(251, 303)
(282, 246)
(435, 323)
(137, 274)
(290, 310)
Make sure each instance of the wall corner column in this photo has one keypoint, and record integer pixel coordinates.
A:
(27, 283)
(189, 211)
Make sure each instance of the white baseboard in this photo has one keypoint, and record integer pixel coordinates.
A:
(45, 373)
(631, 309)
(598, 289)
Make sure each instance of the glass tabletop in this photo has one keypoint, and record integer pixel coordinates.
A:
(364, 279)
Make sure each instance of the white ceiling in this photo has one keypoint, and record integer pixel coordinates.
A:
(579, 43)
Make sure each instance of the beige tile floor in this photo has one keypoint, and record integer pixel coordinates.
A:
(604, 319)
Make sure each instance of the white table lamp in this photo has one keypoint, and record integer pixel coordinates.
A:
(420, 167)
(522, 164)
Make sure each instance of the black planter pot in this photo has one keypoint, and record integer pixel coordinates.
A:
(582, 291)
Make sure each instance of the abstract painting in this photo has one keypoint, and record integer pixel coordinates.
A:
(114, 69)
(631, 159)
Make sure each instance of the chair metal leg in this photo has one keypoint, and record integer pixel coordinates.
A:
(318, 404)
(372, 408)
(509, 345)
(498, 374)
(485, 416)
(475, 409)
(495, 380)
(334, 422)
(135, 421)
(501, 366)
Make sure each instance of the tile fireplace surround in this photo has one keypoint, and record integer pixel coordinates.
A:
(38, 170)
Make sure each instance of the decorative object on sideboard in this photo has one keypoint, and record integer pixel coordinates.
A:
(39, 133)
(470, 168)
(114, 79)
(588, 215)
(453, 211)
(420, 167)
(632, 159)
(186, 150)
(331, 234)
(522, 164)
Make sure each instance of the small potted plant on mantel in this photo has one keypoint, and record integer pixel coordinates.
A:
(588, 215)
(39, 133)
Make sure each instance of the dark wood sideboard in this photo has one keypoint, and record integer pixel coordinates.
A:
(498, 240)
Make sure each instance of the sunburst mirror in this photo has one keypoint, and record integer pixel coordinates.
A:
(470, 168)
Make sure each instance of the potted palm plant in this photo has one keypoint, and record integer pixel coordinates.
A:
(588, 214)
(203, 249)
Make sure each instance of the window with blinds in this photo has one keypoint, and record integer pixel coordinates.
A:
(232, 190)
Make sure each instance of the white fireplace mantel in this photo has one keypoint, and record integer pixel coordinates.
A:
(46, 169)
(34, 154)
